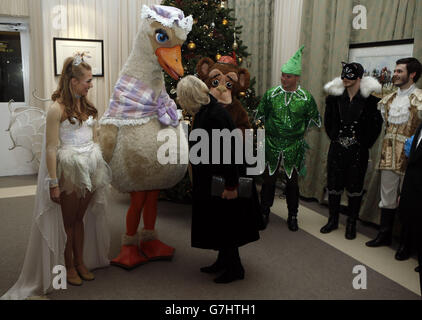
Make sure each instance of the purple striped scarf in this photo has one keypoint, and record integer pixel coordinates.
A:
(133, 100)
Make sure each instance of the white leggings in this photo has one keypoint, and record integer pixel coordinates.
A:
(391, 183)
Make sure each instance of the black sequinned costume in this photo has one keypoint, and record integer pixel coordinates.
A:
(353, 127)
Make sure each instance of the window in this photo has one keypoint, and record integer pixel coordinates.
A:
(14, 58)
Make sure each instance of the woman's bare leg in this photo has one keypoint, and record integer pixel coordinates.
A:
(69, 213)
(78, 232)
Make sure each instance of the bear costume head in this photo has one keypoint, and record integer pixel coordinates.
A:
(225, 80)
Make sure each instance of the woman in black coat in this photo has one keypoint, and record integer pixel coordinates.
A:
(225, 222)
(410, 206)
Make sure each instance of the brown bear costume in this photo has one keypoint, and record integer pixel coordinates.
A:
(225, 80)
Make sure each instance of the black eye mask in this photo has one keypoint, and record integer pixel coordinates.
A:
(352, 71)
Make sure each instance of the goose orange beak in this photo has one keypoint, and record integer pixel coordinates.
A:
(170, 59)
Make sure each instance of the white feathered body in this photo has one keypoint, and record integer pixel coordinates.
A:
(134, 162)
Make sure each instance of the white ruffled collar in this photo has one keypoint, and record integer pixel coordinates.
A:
(399, 112)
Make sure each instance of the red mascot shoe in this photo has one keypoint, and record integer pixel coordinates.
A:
(129, 256)
(153, 248)
(156, 250)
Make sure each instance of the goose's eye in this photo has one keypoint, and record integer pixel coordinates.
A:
(215, 83)
(161, 36)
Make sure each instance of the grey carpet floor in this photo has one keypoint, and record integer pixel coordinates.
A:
(282, 265)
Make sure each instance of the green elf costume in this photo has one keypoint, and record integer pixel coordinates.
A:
(287, 115)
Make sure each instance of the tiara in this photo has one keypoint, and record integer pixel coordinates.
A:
(79, 57)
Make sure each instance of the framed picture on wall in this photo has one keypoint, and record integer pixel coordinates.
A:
(379, 59)
(93, 49)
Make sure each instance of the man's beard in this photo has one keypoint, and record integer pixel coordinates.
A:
(402, 82)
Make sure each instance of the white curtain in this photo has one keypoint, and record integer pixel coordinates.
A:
(287, 22)
(17, 8)
(256, 19)
(114, 21)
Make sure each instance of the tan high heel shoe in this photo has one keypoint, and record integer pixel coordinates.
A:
(87, 276)
(74, 280)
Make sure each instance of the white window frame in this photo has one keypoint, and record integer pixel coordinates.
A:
(21, 26)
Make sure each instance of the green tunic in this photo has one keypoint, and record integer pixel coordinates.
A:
(287, 115)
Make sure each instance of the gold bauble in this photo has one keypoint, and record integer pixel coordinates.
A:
(211, 34)
(235, 46)
(242, 93)
(240, 60)
(225, 22)
(218, 56)
(195, 21)
(191, 45)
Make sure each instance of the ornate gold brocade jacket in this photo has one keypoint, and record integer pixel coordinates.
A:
(392, 154)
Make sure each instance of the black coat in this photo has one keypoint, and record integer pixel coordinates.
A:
(364, 116)
(218, 223)
(411, 192)
(360, 121)
(410, 207)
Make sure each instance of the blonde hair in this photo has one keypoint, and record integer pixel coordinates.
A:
(65, 95)
(192, 93)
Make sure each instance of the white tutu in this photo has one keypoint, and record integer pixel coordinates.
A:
(82, 168)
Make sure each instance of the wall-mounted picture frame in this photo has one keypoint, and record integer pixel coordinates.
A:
(379, 59)
(67, 47)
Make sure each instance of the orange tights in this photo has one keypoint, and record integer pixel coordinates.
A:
(146, 200)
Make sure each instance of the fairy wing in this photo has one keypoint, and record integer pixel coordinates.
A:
(26, 129)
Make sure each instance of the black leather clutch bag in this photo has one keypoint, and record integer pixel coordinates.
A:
(244, 190)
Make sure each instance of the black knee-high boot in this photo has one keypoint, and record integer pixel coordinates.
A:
(292, 199)
(386, 229)
(267, 199)
(334, 208)
(405, 248)
(234, 269)
(354, 208)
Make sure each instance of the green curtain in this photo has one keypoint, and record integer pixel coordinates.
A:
(256, 18)
(326, 33)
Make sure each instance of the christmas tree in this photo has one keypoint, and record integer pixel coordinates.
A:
(214, 34)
